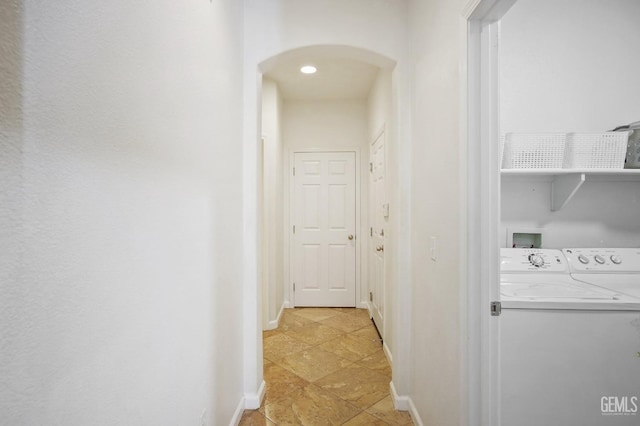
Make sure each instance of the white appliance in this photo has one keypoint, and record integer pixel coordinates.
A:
(616, 269)
(564, 345)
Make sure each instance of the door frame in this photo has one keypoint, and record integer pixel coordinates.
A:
(382, 131)
(483, 208)
(290, 298)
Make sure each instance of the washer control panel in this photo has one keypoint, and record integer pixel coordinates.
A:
(532, 260)
(623, 260)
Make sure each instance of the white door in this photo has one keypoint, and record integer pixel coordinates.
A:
(378, 215)
(324, 229)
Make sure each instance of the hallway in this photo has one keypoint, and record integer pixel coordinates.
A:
(325, 366)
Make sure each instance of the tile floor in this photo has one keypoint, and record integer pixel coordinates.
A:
(325, 366)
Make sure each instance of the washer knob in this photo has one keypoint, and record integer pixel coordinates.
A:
(599, 259)
(536, 260)
(583, 259)
(616, 259)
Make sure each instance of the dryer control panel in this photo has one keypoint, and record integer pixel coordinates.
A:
(605, 260)
(532, 260)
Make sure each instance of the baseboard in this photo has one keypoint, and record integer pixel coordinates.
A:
(387, 353)
(405, 403)
(400, 402)
(237, 415)
(253, 401)
(287, 304)
(413, 411)
(364, 305)
(272, 325)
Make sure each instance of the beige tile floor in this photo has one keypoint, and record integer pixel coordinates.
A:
(325, 366)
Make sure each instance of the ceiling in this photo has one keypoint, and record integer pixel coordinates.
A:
(337, 77)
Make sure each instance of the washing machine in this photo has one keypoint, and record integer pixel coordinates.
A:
(568, 348)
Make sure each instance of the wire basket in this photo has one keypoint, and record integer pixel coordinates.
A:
(595, 150)
(533, 150)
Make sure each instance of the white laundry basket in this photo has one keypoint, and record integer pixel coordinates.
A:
(595, 150)
(533, 150)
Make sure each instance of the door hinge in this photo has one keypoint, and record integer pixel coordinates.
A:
(496, 309)
(294, 171)
(371, 232)
(371, 167)
(370, 296)
(294, 229)
(294, 287)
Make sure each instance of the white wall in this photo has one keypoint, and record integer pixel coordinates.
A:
(437, 36)
(601, 214)
(330, 124)
(568, 66)
(273, 209)
(122, 308)
(275, 26)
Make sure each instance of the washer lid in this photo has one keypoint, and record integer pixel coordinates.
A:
(552, 290)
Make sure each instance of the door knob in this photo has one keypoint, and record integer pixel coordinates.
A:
(380, 248)
(350, 237)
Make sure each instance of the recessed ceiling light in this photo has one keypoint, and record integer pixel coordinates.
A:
(308, 69)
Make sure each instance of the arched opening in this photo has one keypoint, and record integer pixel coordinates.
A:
(362, 92)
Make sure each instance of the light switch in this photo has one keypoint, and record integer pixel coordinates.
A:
(433, 243)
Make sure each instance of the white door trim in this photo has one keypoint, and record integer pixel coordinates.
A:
(380, 132)
(289, 241)
(482, 213)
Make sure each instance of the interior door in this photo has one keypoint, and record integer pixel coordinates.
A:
(378, 214)
(324, 229)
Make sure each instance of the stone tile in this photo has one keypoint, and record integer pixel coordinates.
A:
(385, 411)
(275, 347)
(377, 361)
(347, 322)
(316, 314)
(269, 333)
(313, 364)
(313, 406)
(368, 332)
(314, 334)
(254, 418)
(364, 313)
(351, 348)
(357, 385)
(347, 310)
(364, 419)
(289, 321)
(280, 383)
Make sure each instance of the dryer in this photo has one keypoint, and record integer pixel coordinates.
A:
(614, 269)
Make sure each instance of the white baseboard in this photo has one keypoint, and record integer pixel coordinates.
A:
(272, 325)
(364, 305)
(287, 304)
(414, 414)
(253, 401)
(237, 415)
(405, 403)
(387, 353)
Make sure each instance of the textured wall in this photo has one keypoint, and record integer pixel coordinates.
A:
(436, 40)
(122, 307)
